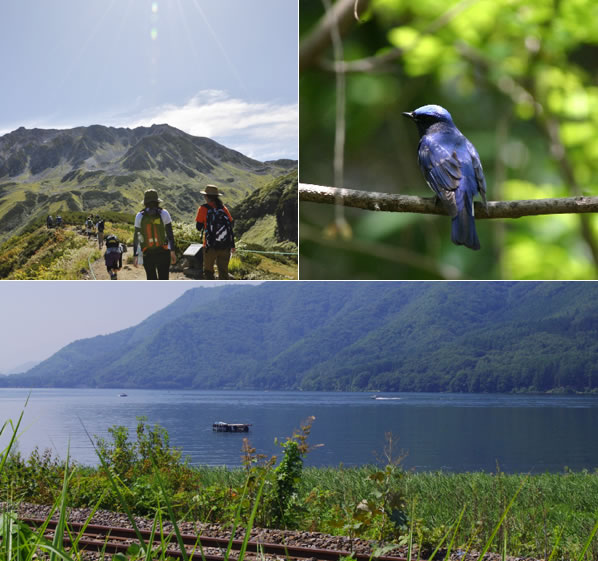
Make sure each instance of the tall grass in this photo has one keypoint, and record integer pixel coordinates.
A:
(552, 516)
(551, 509)
(18, 542)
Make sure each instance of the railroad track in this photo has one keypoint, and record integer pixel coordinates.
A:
(111, 539)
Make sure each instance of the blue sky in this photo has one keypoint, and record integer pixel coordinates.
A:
(225, 69)
(41, 317)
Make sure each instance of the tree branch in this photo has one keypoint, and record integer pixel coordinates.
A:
(319, 39)
(380, 62)
(388, 202)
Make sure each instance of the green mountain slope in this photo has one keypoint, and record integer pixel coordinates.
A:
(268, 217)
(265, 221)
(395, 336)
(99, 169)
(39, 253)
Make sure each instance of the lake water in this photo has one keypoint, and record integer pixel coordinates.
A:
(453, 432)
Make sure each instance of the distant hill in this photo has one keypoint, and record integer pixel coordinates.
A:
(379, 336)
(19, 368)
(100, 168)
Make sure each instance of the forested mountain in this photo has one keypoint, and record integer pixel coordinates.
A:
(391, 336)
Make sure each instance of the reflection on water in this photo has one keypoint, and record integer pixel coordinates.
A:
(457, 432)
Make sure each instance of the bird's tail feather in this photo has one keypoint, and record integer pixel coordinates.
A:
(463, 230)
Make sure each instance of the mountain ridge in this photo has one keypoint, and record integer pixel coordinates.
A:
(37, 149)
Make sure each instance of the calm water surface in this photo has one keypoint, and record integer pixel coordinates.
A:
(452, 432)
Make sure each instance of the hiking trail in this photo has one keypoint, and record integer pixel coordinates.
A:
(128, 271)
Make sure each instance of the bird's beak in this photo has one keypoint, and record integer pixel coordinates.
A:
(408, 114)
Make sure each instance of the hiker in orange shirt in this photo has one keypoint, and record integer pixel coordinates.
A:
(215, 220)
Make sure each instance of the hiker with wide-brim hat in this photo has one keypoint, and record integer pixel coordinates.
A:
(154, 238)
(216, 222)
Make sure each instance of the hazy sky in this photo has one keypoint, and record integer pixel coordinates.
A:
(225, 69)
(40, 317)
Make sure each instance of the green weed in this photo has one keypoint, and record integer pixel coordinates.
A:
(552, 516)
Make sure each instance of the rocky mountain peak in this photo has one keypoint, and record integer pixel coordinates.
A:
(32, 152)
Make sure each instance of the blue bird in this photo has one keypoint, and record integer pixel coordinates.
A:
(452, 168)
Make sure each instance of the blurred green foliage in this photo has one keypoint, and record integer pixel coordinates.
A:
(520, 80)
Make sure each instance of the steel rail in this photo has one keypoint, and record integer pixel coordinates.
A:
(97, 536)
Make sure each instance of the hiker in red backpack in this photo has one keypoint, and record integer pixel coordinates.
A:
(215, 220)
(154, 238)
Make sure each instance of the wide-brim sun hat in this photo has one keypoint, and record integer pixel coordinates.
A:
(212, 190)
(151, 196)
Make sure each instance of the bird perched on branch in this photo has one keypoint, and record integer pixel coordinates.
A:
(452, 169)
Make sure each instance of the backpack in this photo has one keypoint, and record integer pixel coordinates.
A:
(112, 241)
(219, 230)
(153, 232)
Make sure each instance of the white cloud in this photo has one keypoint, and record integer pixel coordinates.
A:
(260, 130)
(263, 130)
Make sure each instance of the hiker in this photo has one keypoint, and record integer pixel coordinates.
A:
(58, 221)
(100, 230)
(89, 226)
(49, 221)
(154, 238)
(113, 256)
(216, 222)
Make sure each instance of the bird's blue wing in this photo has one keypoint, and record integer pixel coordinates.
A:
(442, 170)
(479, 172)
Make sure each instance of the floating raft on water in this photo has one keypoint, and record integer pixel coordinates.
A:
(230, 427)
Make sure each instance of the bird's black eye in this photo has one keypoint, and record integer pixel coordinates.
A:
(431, 119)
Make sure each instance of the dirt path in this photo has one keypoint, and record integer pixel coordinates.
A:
(128, 272)
(266, 269)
